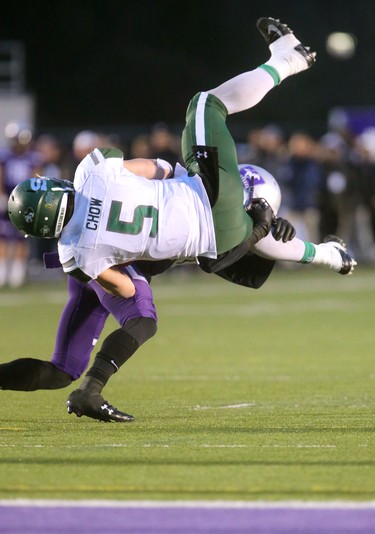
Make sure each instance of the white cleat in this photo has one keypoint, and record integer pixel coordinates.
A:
(341, 261)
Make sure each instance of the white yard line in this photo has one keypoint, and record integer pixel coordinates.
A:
(45, 503)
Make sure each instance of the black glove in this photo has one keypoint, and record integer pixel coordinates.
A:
(261, 213)
(283, 229)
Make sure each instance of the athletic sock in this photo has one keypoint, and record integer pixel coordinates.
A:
(309, 254)
(285, 59)
(245, 90)
(323, 254)
(271, 249)
(272, 72)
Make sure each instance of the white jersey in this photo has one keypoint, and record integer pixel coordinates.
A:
(120, 217)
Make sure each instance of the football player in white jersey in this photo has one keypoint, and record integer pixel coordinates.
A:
(88, 306)
(114, 216)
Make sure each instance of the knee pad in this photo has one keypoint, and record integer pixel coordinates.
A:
(121, 344)
(140, 329)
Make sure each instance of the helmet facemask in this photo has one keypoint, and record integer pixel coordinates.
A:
(61, 215)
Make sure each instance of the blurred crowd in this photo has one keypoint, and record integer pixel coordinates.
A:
(327, 183)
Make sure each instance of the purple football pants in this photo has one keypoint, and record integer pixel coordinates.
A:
(85, 314)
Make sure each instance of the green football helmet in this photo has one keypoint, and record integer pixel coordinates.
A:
(39, 206)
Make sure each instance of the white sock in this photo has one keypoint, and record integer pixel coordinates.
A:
(271, 249)
(245, 90)
(299, 251)
(284, 59)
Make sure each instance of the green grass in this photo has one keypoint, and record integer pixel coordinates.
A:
(242, 394)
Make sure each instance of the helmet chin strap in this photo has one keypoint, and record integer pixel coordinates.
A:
(61, 215)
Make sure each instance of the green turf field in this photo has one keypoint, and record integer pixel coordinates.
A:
(242, 394)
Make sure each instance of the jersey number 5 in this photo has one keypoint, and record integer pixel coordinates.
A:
(136, 225)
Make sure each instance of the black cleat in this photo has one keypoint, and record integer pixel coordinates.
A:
(272, 29)
(348, 263)
(82, 402)
(335, 239)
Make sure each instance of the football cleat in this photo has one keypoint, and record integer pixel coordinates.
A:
(272, 29)
(91, 405)
(345, 264)
(284, 45)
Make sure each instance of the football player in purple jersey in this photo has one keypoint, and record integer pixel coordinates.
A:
(89, 305)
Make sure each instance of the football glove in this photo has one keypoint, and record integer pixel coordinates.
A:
(283, 229)
(261, 213)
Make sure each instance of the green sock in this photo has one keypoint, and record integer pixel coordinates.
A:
(272, 72)
(309, 254)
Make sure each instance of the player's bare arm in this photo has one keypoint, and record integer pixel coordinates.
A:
(152, 169)
(116, 283)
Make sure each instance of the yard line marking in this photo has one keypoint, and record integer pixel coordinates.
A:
(203, 446)
(224, 406)
(298, 446)
(172, 445)
(339, 504)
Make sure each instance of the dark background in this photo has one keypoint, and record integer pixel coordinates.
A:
(112, 63)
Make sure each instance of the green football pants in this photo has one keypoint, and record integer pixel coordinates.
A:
(206, 126)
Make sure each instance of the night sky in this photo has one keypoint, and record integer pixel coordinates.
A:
(98, 63)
